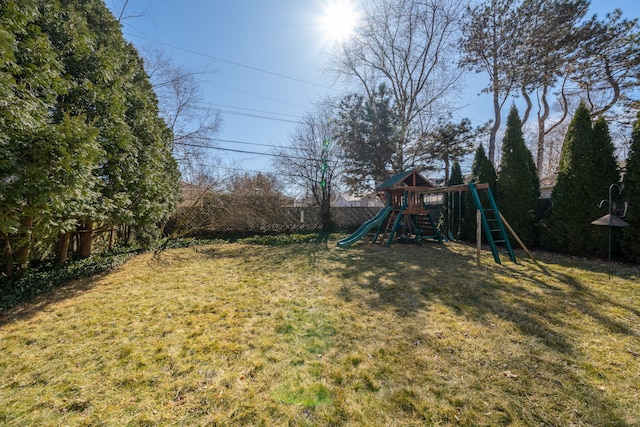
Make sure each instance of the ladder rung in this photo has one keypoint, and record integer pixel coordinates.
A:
(498, 241)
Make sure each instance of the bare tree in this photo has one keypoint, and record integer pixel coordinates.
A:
(123, 12)
(410, 46)
(193, 124)
(312, 162)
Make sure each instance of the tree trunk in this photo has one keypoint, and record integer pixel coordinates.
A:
(86, 238)
(325, 215)
(541, 132)
(495, 128)
(126, 234)
(62, 248)
(446, 170)
(8, 259)
(111, 232)
(527, 110)
(24, 251)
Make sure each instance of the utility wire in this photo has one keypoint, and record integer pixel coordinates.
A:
(247, 143)
(248, 109)
(283, 156)
(256, 95)
(238, 64)
(257, 116)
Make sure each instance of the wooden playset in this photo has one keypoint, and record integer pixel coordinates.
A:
(412, 211)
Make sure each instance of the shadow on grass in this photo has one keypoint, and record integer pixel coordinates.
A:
(410, 279)
(56, 295)
(437, 274)
(422, 275)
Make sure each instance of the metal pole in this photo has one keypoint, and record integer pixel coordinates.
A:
(478, 234)
(610, 213)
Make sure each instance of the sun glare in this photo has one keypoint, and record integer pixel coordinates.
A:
(338, 20)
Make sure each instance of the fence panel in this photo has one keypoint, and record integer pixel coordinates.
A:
(211, 219)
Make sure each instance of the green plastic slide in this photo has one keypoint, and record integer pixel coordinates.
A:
(364, 228)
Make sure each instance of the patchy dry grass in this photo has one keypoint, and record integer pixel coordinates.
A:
(313, 335)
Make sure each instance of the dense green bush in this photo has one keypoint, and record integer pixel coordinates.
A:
(286, 239)
(82, 145)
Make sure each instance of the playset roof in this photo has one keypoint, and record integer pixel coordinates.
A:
(410, 178)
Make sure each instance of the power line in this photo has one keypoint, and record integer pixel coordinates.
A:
(283, 156)
(256, 95)
(249, 109)
(246, 143)
(238, 64)
(257, 116)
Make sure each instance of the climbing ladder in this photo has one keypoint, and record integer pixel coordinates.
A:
(385, 227)
(492, 224)
(392, 224)
(390, 227)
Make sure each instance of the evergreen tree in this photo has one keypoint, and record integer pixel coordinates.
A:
(482, 171)
(631, 191)
(604, 172)
(518, 183)
(456, 174)
(454, 206)
(46, 162)
(81, 142)
(138, 176)
(586, 170)
(448, 142)
(367, 131)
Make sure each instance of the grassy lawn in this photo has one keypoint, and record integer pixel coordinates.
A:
(309, 334)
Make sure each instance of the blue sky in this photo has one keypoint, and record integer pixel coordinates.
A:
(265, 62)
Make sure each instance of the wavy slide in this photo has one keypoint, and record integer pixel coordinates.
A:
(364, 228)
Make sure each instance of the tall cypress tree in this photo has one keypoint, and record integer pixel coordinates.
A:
(456, 174)
(604, 172)
(453, 204)
(587, 169)
(631, 239)
(482, 171)
(518, 184)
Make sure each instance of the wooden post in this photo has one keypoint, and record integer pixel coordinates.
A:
(515, 236)
(478, 234)
(522, 245)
